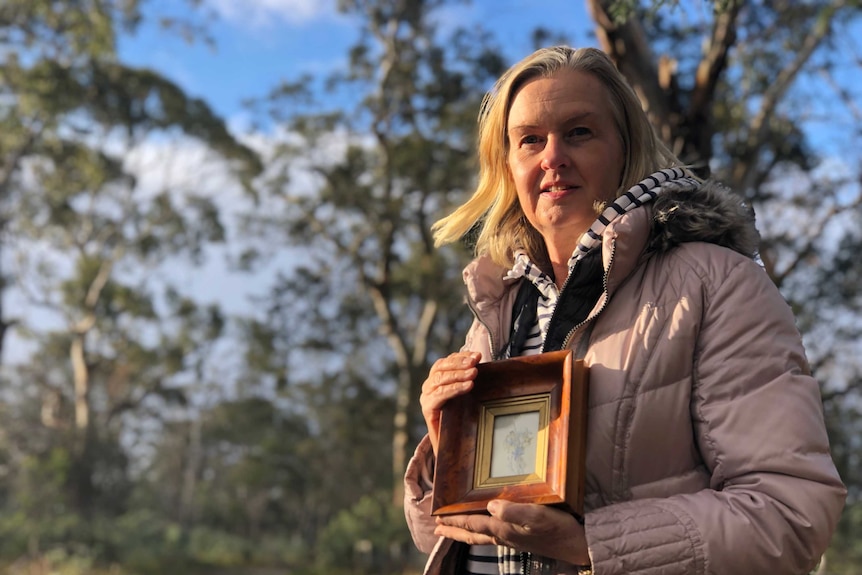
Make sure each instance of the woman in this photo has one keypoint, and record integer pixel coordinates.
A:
(706, 446)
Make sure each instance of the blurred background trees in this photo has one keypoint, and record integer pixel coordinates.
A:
(145, 430)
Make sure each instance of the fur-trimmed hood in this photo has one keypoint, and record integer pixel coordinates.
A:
(712, 214)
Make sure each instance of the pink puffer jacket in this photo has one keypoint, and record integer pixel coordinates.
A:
(706, 448)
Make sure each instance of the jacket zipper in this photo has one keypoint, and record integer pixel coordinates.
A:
(568, 338)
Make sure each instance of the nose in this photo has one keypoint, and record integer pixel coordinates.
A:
(554, 154)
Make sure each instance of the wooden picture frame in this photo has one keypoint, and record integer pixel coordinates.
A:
(520, 434)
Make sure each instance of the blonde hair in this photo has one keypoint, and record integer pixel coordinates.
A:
(493, 210)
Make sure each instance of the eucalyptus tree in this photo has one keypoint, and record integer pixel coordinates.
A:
(363, 177)
(84, 235)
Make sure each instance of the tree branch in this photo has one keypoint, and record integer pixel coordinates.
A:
(699, 120)
(744, 173)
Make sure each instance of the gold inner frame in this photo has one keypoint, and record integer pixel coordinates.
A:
(489, 412)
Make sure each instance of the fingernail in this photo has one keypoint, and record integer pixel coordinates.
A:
(493, 507)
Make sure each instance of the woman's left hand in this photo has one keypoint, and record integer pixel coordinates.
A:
(538, 529)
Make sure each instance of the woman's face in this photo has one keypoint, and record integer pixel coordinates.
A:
(564, 154)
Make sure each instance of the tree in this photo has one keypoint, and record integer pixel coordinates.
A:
(59, 70)
(344, 451)
(386, 161)
(84, 234)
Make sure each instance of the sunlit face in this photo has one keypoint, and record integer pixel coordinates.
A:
(564, 154)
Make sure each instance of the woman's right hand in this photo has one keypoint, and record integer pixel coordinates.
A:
(450, 377)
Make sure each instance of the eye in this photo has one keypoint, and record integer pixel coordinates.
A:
(529, 140)
(579, 132)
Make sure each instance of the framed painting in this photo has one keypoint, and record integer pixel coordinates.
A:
(520, 434)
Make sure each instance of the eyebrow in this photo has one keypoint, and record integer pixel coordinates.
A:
(570, 120)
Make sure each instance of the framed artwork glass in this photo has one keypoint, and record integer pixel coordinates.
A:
(512, 442)
(520, 434)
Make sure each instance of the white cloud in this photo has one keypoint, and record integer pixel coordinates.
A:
(264, 13)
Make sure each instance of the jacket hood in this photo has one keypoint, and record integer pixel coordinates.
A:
(712, 214)
(709, 213)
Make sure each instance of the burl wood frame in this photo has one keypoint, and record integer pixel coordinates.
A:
(553, 384)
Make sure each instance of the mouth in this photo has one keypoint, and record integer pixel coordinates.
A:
(557, 190)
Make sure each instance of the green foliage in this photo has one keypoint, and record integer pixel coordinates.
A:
(89, 31)
(368, 538)
(845, 555)
(622, 10)
(117, 350)
(404, 126)
(219, 548)
(40, 515)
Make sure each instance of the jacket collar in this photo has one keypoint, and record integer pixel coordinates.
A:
(710, 213)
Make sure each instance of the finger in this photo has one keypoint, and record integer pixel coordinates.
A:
(443, 385)
(473, 522)
(527, 519)
(464, 536)
(455, 361)
(447, 368)
(539, 529)
(511, 512)
(437, 396)
(474, 529)
(449, 377)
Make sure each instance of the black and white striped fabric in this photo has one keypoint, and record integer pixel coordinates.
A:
(496, 560)
(493, 560)
(548, 296)
(646, 190)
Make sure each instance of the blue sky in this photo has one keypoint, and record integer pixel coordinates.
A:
(259, 42)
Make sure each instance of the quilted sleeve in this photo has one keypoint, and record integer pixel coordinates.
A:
(775, 496)
(418, 484)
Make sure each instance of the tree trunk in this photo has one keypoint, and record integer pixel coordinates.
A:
(81, 379)
(400, 437)
(687, 130)
(190, 474)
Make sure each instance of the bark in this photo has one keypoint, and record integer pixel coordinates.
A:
(190, 474)
(81, 379)
(687, 130)
(395, 331)
(77, 349)
(699, 123)
(628, 47)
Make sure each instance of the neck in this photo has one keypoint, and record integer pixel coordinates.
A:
(559, 256)
(561, 272)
